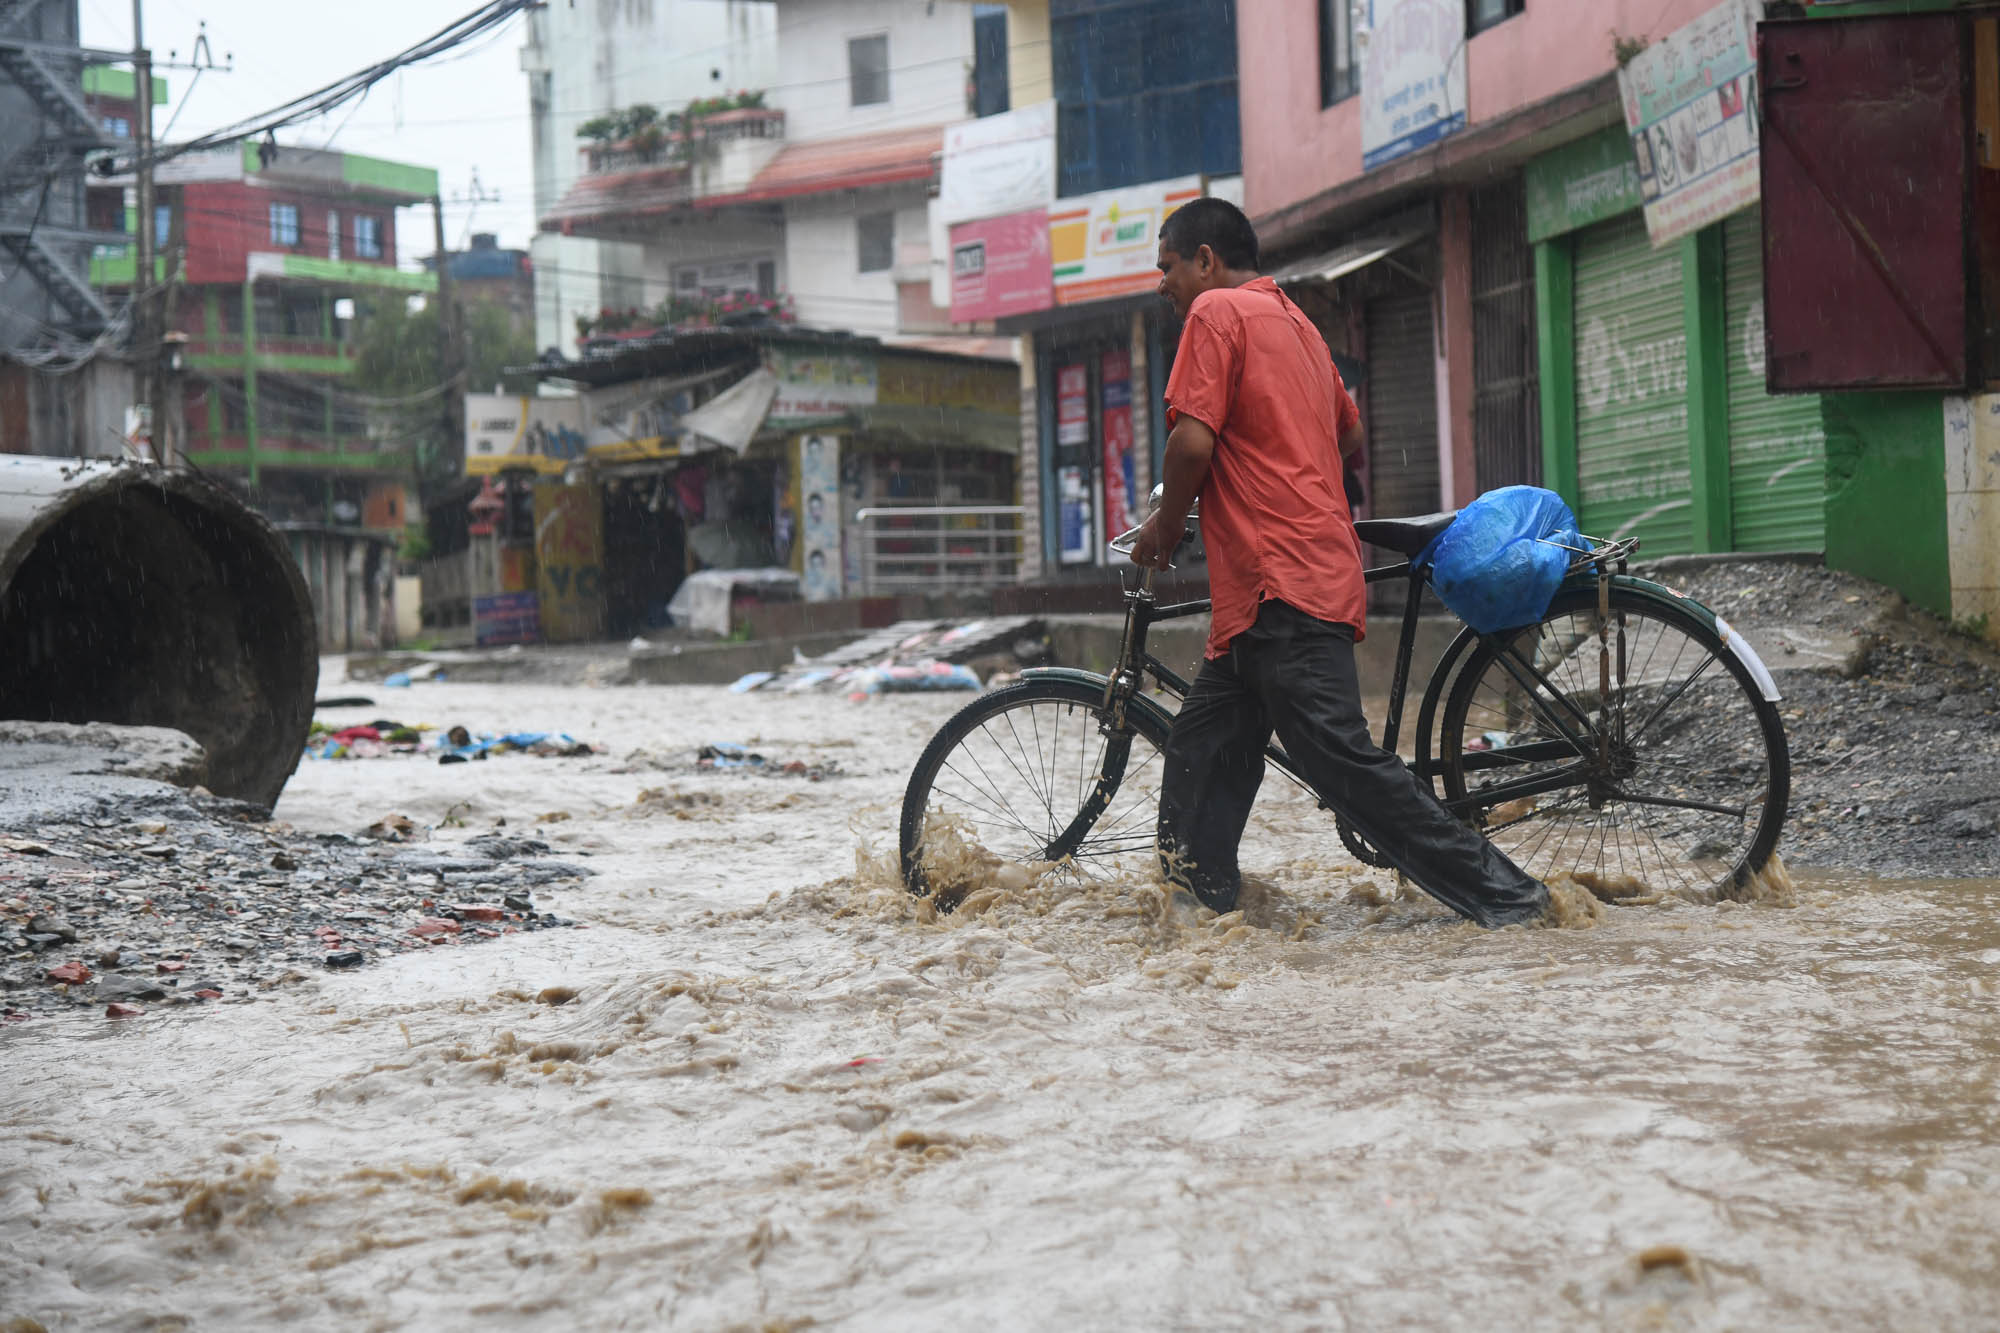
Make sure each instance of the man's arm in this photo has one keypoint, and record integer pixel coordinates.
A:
(1189, 447)
(1352, 437)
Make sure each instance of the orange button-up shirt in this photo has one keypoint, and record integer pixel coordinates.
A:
(1253, 369)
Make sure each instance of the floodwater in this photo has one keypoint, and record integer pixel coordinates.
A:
(780, 1097)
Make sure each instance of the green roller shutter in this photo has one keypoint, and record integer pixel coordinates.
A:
(1777, 446)
(1631, 389)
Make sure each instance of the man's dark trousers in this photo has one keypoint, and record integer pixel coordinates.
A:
(1294, 673)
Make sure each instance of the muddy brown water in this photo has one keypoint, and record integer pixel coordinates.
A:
(779, 1094)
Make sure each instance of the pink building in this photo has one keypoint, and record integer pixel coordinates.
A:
(1447, 187)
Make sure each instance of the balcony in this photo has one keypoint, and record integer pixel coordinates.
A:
(662, 168)
(289, 448)
(298, 356)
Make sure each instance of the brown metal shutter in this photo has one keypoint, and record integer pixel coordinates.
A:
(1506, 407)
(1402, 407)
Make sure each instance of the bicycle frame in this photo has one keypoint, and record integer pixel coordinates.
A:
(1577, 735)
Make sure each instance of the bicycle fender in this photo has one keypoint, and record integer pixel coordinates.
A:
(1735, 642)
(1098, 682)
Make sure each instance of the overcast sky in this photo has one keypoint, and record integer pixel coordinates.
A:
(463, 111)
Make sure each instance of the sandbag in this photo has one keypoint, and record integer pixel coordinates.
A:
(1492, 566)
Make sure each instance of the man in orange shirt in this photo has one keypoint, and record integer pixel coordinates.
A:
(1259, 424)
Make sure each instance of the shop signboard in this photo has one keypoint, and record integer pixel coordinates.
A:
(819, 492)
(569, 556)
(1412, 77)
(1581, 184)
(819, 385)
(997, 165)
(1691, 108)
(508, 433)
(1120, 510)
(1106, 245)
(1000, 267)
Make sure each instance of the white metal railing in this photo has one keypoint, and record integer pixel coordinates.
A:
(907, 547)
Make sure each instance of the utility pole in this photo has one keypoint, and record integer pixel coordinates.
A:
(147, 380)
(447, 321)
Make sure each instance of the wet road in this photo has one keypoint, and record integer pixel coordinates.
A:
(780, 1097)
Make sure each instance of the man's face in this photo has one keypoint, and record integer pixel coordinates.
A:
(1182, 278)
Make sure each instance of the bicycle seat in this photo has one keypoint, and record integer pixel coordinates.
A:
(1404, 536)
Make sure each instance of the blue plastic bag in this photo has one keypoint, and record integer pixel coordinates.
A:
(1491, 565)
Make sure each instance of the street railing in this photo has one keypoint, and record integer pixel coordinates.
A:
(916, 547)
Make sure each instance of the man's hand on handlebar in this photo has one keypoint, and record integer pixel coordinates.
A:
(1158, 536)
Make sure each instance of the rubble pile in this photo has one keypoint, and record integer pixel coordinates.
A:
(1892, 716)
(173, 898)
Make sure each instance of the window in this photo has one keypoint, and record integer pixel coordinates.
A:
(1137, 98)
(1483, 14)
(163, 224)
(284, 224)
(767, 278)
(1339, 75)
(332, 234)
(877, 235)
(116, 127)
(367, 236)
(989, 60)
(868, 70)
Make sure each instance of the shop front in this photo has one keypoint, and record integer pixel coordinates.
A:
(1655, 422)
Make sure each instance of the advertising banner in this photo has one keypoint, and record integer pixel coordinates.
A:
(1073, 405)
(1691, 109)
(569, 558)
(1581, 183)
(507, 617)
(817, 385)
(1412, 77)
(1000, 267)
(538, 434)
(1073, 506)
(1120, 506)
(1106, 244)
(999, 164)
(819, 492)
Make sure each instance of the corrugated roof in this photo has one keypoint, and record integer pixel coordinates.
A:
(850, 163)
(620, 194)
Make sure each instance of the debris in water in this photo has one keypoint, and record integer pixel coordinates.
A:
(393, 828)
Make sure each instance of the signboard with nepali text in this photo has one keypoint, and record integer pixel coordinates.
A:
(1581, 183)
(818, 385)
(1412, 77)
(1106, 244)
(1691, 109)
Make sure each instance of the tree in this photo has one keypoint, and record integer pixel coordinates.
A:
(396, 363)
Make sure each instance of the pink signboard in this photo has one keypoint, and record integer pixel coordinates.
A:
(1000, 267)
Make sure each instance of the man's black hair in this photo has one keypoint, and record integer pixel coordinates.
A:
(1215, 223)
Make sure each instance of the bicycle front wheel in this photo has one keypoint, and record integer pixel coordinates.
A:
(1641, 761)
(1032, 775)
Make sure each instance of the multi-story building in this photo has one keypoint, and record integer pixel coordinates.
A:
(1538, 226)
(271, 257)
(590, 63)
(64, 388)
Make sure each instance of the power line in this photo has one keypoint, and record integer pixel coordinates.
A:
(338, 93)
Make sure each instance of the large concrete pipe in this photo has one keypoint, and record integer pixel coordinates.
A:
(135, 595)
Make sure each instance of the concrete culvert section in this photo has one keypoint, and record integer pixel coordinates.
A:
(134, 595)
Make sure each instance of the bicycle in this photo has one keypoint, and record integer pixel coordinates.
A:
(1630, 738)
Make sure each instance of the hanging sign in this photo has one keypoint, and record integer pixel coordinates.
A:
(1691, 109)
(1412, 77)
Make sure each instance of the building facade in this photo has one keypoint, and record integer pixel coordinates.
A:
(270, 259)
(589, 62)
(1451, 190)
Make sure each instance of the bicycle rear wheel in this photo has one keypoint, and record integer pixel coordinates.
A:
(1674, 780)
(1028, 775)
